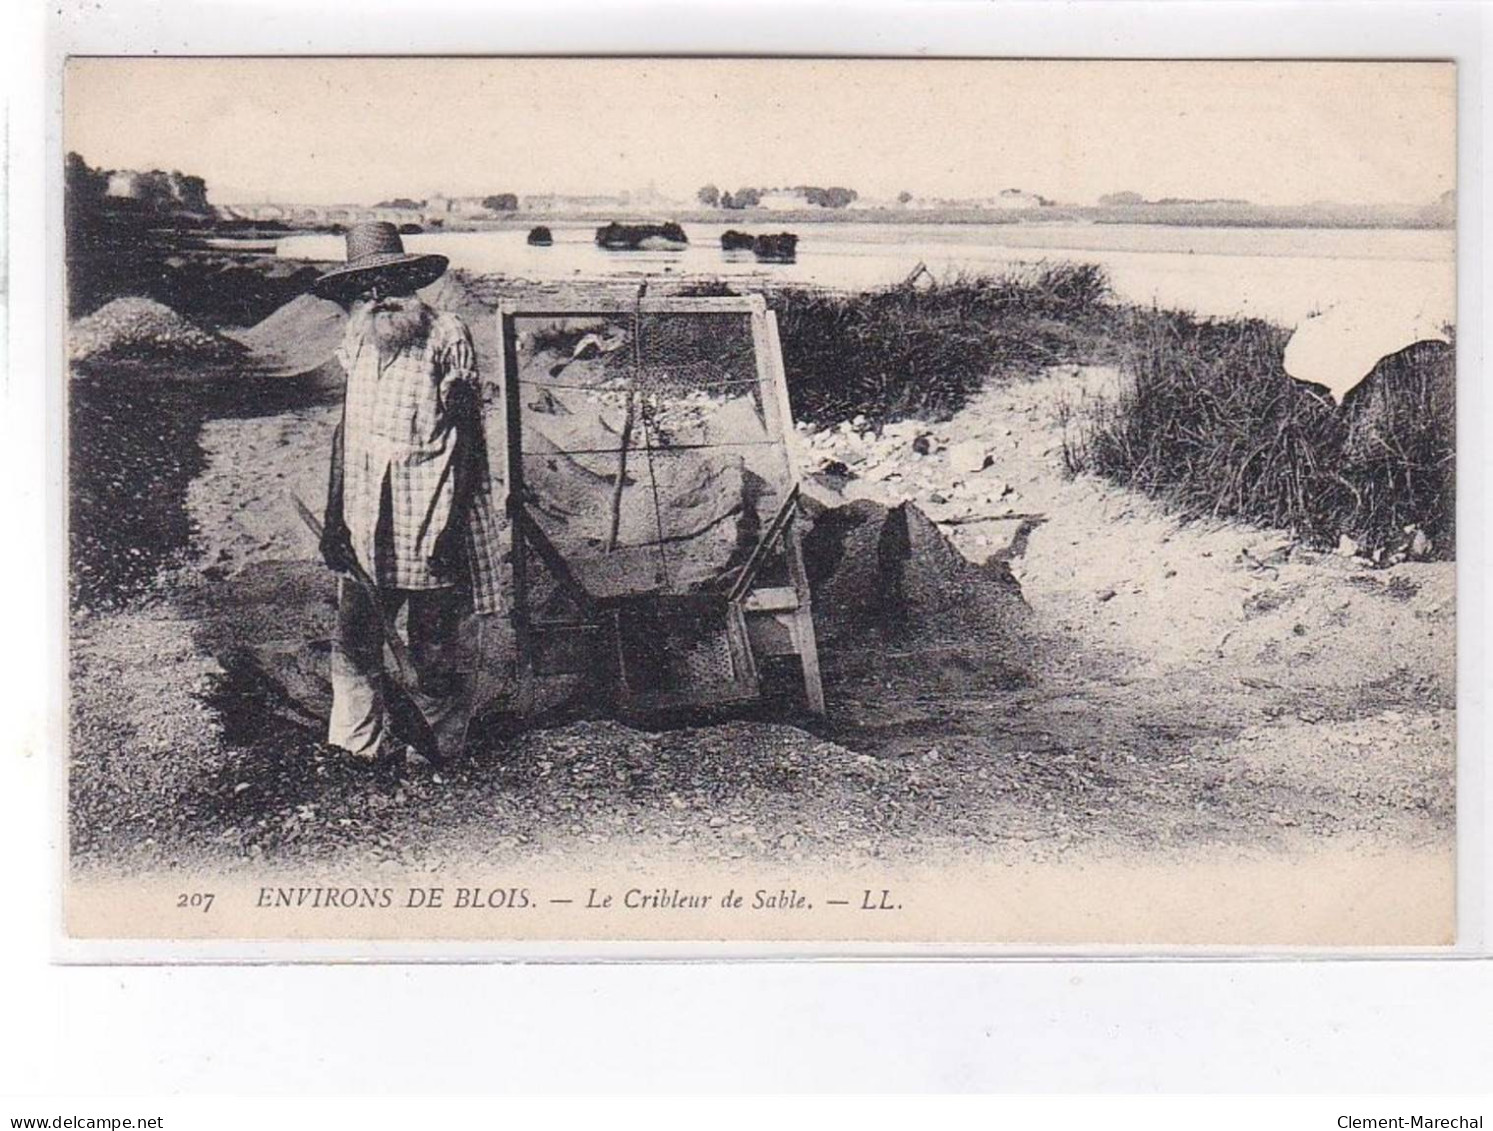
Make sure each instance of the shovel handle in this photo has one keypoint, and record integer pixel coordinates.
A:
(360, 578)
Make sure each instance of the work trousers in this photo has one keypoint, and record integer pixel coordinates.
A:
(443, 668)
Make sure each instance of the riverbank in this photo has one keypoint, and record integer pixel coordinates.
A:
(1186, 214)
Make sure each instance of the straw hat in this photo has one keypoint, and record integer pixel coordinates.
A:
(376, 253)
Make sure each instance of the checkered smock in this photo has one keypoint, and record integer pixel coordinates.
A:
(398, 437)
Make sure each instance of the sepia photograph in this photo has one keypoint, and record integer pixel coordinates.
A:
(825, 501)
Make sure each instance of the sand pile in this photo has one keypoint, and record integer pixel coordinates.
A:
(140, 329)
(270, 628)
(890, 591)
(299, 337)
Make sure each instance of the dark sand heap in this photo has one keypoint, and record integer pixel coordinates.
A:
(893, 596)
(1399, 451)
(301, 336)
(230, 290)
(270, 628)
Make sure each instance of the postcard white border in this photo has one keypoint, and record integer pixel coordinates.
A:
(1390, 30)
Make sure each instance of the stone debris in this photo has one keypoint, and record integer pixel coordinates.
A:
(955, 482)
(141, 329)
(969, 456)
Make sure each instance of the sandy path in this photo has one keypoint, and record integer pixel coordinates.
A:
(240, 504)
(1279, 687)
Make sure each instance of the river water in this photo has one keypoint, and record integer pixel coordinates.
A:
(1280, 274)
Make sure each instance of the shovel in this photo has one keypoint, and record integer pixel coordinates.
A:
(407, 722)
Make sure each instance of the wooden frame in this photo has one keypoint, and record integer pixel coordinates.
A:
(778, 620)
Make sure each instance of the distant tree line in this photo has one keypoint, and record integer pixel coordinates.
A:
(1120, 199)
(498, 202)
(713, 197)
(834, 197)
(125, 230)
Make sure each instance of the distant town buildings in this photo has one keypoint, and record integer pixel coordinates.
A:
(560, 202)
(125, 183)
(318, 214)
(782, 201)
(440, 210)
(1007, 200)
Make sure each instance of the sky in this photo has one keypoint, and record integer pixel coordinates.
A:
(358, 130)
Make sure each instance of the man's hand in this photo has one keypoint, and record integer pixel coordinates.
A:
(337, 547)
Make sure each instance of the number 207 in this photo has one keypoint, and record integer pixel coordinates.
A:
(197, 899)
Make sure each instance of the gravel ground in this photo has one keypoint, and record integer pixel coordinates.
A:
(1161, 686)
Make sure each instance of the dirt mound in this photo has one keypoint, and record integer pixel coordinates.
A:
(299, 337)
(140, 329)
(230, 290)
(889, 587)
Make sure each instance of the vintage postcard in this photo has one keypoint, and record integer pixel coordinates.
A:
(826, 502)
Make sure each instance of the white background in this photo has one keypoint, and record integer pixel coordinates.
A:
(1365, 1025)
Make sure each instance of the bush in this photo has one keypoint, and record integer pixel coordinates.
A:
(913, 350)
(1210, 421)
(621, 237)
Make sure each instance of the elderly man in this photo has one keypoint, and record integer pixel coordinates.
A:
(408, 498)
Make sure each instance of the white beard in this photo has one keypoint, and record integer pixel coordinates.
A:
(392, 324)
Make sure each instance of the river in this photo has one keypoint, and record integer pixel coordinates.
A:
(1275, 273)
